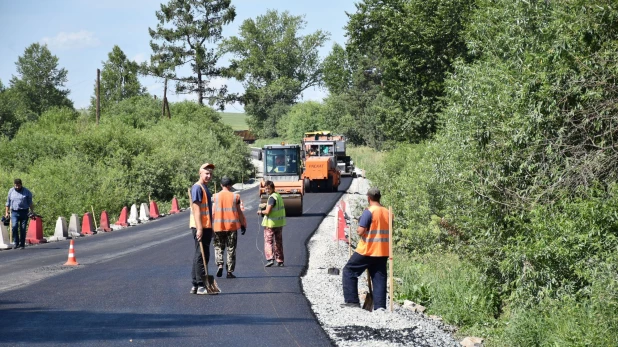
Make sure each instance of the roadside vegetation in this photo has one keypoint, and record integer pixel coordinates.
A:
(489, 126)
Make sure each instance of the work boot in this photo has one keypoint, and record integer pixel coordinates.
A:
(280, 264)
(193, 290)
(230, 275)
(269, 263)
(350, 304)
(201, 291)
(220, 271)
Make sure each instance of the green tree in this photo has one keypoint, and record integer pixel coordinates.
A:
(194, 23)
(39, 80)
(275, 64)
(416, 42)
(119, 80)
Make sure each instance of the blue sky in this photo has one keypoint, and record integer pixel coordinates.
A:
(82, 32)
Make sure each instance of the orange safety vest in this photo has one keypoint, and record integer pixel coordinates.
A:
(225, 214)
(375, 242)
(204, 211)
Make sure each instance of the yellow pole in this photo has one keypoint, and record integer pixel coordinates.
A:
(390, 253)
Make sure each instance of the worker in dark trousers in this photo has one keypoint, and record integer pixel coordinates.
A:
(19, 202)
(201, 226)
(371, 253)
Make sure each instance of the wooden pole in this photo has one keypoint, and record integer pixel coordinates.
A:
(98, 95)
(164, 96)
(94, 218)
(390, 254)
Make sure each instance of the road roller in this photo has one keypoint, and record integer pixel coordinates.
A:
(283, 166)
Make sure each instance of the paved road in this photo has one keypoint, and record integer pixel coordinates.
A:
(132, 287)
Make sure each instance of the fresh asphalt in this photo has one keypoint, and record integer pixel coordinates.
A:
(132, 287)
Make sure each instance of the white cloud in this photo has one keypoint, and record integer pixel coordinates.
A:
(80, 39)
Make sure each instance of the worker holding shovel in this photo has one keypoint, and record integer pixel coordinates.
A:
(371, 254)
(201, 216)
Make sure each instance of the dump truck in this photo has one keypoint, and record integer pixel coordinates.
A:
(321, 172)
(344, 161)
(283, 166)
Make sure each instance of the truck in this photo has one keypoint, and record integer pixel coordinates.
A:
(283, 166)
(321, 171)
(345, 164)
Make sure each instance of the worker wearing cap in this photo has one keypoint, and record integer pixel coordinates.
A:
(201, 226)
(371, 253)
(227, 219)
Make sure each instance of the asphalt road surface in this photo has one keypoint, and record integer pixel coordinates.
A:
(132, 288)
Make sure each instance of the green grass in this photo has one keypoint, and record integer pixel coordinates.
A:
(236, 120)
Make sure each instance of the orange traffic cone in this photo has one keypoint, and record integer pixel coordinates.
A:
(71, 260)
(154, 210)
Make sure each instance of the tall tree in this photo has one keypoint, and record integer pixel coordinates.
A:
(194, 23)
(39, 80)
(417, 42)
(119, 80)
(275, 64)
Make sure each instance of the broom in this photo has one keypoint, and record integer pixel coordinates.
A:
(209, 281)
(368, 304)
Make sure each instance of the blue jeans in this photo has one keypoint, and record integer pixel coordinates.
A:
(19, 219)
(377, 271)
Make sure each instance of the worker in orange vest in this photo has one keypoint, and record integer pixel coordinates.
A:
(371, 253)
(227, 219)
(201, 226)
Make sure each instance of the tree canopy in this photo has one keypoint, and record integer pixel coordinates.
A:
(181, 37)
(275, 64)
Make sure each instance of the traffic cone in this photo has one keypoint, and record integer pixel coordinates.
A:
(105, 221)
(122, 220)
(242, 206)
(175, 208)
(154, 210)
(71, 260)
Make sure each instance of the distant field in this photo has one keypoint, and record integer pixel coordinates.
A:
(236, 120)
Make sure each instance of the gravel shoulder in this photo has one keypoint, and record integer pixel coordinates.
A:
(354, 326)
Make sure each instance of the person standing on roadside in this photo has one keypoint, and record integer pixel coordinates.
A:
(227, 219)
(273, 223)
(371, 253)
(201, 207)
(19, 201)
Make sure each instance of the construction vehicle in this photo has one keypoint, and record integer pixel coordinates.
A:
(321, 171)
(283, 166)
(344, 162)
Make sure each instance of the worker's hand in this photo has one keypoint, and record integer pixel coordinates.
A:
(243, 229)
(198, 235)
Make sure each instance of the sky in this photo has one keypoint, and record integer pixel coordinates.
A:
(81, 33)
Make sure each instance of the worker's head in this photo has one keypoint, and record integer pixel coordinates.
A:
(269, 186)
(373, 194)
(280, 160)
(206, 172)
(226, 182)
(17, 184)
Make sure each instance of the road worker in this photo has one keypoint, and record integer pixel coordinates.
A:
(201, 226)
(371, 253)
(18, 203)
(227, 219)
(279, 164)
(273, 223)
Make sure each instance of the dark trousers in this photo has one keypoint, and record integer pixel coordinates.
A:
(377, 271)
(19, 219)
(197, 270)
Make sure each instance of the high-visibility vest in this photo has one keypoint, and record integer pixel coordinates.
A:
(204, 211)
(374, 243)
(276, 217)
(225, 212)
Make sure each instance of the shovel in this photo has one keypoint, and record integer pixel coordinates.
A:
(368, 304)
(209, 280)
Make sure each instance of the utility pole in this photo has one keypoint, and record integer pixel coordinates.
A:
(98, 95)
